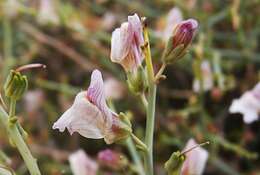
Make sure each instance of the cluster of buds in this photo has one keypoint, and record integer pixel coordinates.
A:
(15, 85)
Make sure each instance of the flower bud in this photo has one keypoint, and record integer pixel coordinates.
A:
(137, 81)
(15, 85)
(112, 160)
(180, 40)
(174, 164)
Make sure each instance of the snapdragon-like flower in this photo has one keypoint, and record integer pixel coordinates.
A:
(207, 77)
(181, 38)
(126, 44)
(90, 116)
(248, 105)
(195, 161)
(81, 164)
(174, 17)
(111, 159)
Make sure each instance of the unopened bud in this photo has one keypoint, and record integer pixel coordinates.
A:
(112, 160)
(174, 163)
(178, 43)
(15, 86)
(137, 81)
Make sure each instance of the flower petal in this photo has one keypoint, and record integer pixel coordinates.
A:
(135, 23)
(195, 160)
(248, 105)
(96, 95)
(82, 117)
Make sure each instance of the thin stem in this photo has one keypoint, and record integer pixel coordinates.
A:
(160, 72)
(12, 108)
(150, 129)
(135, 156)
(149, 132)
(144, 100)
(17, 139)
(139, 143)
(131, 147)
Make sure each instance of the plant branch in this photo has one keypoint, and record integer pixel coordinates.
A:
(18, 140)
(149, 132)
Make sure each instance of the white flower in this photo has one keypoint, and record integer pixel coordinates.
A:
(174, 17)
(195, 161)
(248, 105)
(47, 13)
(114, 89)
(126, 44)
(90, 116)
(81, 164)
(207, 77)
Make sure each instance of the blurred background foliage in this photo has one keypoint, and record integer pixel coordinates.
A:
(73, 37)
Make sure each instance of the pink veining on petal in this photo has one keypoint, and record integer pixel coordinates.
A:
(96, 95)
(126, 44)
(184, 32)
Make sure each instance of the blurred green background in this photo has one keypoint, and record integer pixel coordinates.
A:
(73, 37)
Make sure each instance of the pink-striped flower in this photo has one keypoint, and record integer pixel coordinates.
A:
(111, 159)
(181, 38)
(195, 161)
(184, 32)
(90, 116)
(126, 44)
(248, 105)
(82, 164)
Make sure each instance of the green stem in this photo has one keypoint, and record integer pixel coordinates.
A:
(160, 72)
(17, 139)
(135, 156)
(149, 132)
(144, 100)
(150, 129)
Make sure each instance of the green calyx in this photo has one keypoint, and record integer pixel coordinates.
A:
(174, 164)
(171, 54)
(15, 85)
(137, 81)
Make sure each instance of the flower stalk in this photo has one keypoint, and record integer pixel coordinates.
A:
(149, 132)
(17, 139)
